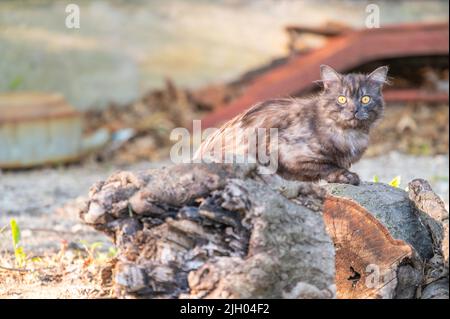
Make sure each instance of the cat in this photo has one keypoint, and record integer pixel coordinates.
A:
(318, 137)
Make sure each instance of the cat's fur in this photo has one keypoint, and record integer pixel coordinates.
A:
(318, 138)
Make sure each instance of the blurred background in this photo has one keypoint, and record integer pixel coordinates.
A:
(77, 104)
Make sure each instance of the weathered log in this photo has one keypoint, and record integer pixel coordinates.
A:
(435, 218)
(223, 231)
(205, 231)
(432, 209)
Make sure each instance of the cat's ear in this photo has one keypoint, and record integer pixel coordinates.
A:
(379, 75)
(328, 75)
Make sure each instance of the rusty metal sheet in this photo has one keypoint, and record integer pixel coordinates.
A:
(415, 95)
(343, 52)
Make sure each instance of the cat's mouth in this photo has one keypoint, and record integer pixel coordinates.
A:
(356, 120)
(354, 123)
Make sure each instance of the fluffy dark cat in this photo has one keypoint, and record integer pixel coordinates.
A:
(319, 137)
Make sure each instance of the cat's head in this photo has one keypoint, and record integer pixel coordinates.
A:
(352, 100)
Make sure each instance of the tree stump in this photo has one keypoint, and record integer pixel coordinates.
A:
(224, 231)
(383, 242)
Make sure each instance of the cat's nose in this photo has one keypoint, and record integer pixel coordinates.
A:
(361, 115)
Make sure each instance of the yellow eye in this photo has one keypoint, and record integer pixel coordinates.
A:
(365, 99)
(342, 99)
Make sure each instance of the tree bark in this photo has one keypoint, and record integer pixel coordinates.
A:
(214, 231)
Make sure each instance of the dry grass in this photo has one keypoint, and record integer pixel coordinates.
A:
(76, 273)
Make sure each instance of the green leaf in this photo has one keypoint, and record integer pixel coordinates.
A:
(19, 253)
(376, 179)
(36, 259)
(396, 182)
(94, 246)
(21, 256)
(15, 230)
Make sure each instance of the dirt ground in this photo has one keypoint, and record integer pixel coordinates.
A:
(67, 259)
(44, 203)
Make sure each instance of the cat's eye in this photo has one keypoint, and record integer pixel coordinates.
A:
(365, 99)
(342, 99)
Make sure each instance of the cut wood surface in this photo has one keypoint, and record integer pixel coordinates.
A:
(393, 209)
(394, 241)
(224, 231)
(367, 257)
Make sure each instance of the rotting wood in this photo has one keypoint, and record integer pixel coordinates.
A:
(212, 231)
(224, 231)
(432, 210)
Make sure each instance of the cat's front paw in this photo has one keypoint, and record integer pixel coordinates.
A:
(344, 177)
(350, 178)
